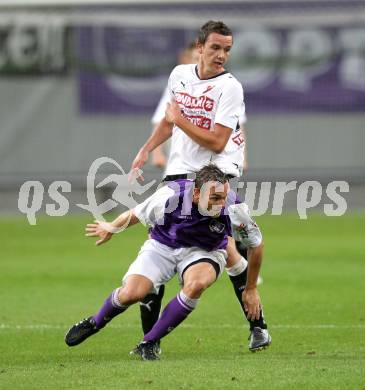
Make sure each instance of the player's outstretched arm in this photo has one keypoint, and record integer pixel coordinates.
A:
(105, 230)
(161, 133)
(215, 140)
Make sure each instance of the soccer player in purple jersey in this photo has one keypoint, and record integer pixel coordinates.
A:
(202, 119)
(190, 231)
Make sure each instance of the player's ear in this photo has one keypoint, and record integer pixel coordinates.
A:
(196, 195)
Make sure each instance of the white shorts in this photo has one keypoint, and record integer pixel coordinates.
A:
(160, 263)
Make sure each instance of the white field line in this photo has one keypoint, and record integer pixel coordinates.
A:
(190, 326)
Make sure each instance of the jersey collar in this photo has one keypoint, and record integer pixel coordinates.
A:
(210, 78)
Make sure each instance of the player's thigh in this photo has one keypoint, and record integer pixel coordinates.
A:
(154, 262)
(200, 275)
(188, 257)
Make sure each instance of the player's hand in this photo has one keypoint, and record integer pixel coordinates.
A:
(173, 112)
(104, 230)
(252, 303)
(138, 162)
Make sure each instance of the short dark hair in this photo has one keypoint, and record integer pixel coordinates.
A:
(213, 27)
(209, 173)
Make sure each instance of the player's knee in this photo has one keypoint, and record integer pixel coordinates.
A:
(129, 296)
(194, 288)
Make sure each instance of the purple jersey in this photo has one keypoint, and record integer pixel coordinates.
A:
(177, 222)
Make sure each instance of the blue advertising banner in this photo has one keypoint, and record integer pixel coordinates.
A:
(124, 70)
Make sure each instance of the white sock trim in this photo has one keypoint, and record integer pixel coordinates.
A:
(115, 299)
(188, 303)
(237, 268)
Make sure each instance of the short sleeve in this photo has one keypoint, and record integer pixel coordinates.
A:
(244, 228)
(167, 96)
(170, 84)
(230, 106)
(243, 117)
(159, 113)
(153, 208)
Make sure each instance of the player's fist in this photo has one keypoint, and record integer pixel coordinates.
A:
(140, 159)
(138, 162)
(173, 112)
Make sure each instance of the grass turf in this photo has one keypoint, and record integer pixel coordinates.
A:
(313, 293)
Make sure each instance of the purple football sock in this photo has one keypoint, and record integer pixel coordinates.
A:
(110, 309)
(174, 313)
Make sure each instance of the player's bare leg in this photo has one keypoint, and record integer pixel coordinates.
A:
(237, 270)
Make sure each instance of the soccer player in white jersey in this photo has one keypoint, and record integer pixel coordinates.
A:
(189, 55)
(203, 120)
(190, 228)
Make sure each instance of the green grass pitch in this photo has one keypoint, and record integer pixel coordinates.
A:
(51, 276)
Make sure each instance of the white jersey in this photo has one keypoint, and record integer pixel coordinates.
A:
(205, 103)
(244, 228)
(160, 110)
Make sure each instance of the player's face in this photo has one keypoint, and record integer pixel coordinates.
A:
(217, 196)
(215, 52)
(212, 196)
